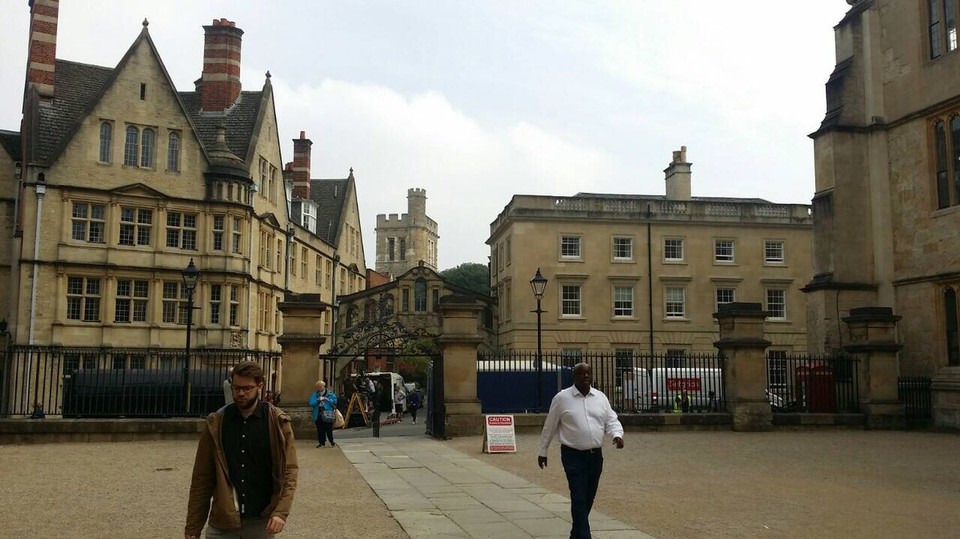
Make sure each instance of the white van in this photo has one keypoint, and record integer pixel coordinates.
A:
(389, 381)
(703, 385)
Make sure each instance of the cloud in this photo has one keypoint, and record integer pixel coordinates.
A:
(397, 141)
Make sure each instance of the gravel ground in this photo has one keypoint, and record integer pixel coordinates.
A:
(139, 489)
(668, 484)
(777, 484)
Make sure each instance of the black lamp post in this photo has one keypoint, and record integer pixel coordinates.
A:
(191, 275)
(539, 285)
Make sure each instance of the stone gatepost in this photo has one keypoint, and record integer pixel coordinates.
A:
(745, 365)
(873, 336)
(946, 397)
(459, 340)
(301, 342)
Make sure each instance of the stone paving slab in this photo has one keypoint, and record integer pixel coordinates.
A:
(434, 491)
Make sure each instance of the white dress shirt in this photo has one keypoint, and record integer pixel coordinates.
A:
(579, 420)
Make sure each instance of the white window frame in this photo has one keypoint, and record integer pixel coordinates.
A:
(720, 251)
(623, 307)
(571, 243)
(571, 299)
(185, 234)
(670, 302)
(136, 299)
(137, 226)
(629, 245)
(89, 219)
(770, 248)
(85, 301)
(716, 296)
(781, 312)
(668, 246)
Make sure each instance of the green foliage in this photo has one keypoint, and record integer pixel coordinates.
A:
(469, 275)
(415, 361)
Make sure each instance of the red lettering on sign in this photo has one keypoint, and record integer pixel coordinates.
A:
(499, 420)
(683, 384)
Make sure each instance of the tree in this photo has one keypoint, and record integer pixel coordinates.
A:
(470, 275)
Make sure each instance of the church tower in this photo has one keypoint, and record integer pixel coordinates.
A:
(404, 240)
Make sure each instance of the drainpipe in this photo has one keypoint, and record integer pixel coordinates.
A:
(335, 315)
(286, 263)
(649, 279)
(41, 191)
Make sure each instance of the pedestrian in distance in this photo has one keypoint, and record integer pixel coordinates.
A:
(246, 463)
(227, 384)
(580, 416)
(324, 405)
(399, 397)
(414, 402)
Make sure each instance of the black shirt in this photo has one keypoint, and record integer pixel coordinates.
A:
(246, 445)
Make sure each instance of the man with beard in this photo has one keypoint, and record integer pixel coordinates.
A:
(579, 416)
(246, 462)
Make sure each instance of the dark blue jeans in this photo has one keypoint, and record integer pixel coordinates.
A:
(583, 469)
(324, 431)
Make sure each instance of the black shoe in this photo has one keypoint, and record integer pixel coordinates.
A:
(333, 444)
(320, 445)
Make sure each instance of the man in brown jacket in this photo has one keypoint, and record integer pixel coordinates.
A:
(246, 462)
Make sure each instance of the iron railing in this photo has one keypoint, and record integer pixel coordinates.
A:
(507, 381)
(917, 398)
(122, 382)
(813, 383)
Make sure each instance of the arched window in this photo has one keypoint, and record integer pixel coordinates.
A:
(388, 305)
(351, 316)
(370, 311)
(173, 152)
(106, 141)
(952, 331)
(146, 152)
(420, 295)
(131, 148)
(943, 184)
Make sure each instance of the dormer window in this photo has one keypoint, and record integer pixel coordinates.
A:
(173, 152)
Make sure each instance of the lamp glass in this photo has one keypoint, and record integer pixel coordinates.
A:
(538, 284)
(190, 277)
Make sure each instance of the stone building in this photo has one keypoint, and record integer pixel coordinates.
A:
(117, 180)
(887, 203)
(404, 240)
(645, 273)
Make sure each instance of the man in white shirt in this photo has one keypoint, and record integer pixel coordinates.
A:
(580, 415)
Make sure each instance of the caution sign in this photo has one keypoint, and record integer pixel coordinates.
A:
(499, 434)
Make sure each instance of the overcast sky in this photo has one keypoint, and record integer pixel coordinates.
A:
(476, 101)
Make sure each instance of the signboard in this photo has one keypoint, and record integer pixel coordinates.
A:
(683, 384)
(499, 435)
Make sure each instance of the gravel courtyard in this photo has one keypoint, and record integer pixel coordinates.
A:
(820, 484)
(668, 484)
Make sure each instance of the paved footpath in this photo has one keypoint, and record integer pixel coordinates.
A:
(434, 491)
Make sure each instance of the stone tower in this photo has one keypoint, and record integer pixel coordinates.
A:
(404, 240)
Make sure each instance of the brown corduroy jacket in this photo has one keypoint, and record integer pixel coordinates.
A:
(211, 479)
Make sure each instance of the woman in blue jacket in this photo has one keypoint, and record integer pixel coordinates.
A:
(324, 404)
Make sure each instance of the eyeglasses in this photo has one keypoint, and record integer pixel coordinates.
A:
(243, 389)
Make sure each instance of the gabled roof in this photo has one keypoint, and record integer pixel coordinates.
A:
(138, 189)
(78, 88)
(10, 142)
(239, 121)
(330, 196)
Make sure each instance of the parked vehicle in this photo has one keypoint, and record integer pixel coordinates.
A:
(703, 386)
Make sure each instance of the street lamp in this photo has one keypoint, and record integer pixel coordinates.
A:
(190, 277)
(539, 285)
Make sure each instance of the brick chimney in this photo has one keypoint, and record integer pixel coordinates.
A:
(42, 51)
(301, 166)
(220, 81)
(678, 176)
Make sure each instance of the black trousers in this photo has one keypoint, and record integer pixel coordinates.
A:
(324, 431)
(583, 469)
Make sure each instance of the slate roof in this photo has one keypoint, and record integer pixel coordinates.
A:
(77, 87)
(329, 196)
(239, 121)
(653, 198)
(80, 86)
(10, 141)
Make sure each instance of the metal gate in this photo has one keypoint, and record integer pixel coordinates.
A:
(436, 408)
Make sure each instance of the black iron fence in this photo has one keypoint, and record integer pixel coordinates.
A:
(128, 382)
(813, 383)
(513, 381)
(917, 399)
